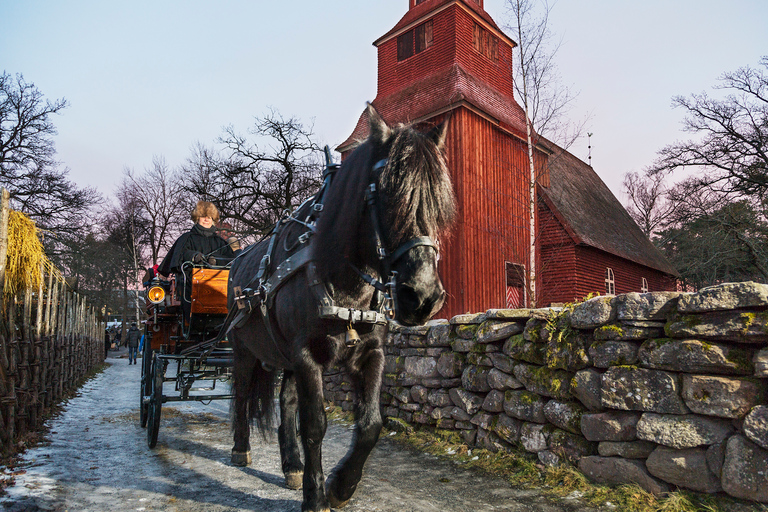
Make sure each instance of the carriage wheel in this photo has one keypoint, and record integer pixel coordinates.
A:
(155, 400)
(146, 384)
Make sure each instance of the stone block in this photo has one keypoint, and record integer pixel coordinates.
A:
(459, 414)
(497, 330)
(738, 326)
(646, 306)
(565, 415)
(451, 364)
(525, 405)
(421, 367)
(616, 471)
(745, 470)
(725, 296)
(466, 332)
(684, 468)
(393, 364)
(478, 359)
(627, 332)
(567, 350)
(570, 446)
(610, 426)
(536, 330)
(534, 436)
(439, 335)
(462, 345)
(468, 318)
(594, 312)
(475, 378)
(586, 386)
(469, 402)
(502, 381)
(521, 315)
(419, 394)
(502, 362)
(517, 347)
(605, 354)
(439, 398)
(726, 397)
(508, 428)
(494, 401)
(756, 426)
(626, 449)
(482, 420)
(638, 389)
(545, 381)
(695, 356)
(682, 431)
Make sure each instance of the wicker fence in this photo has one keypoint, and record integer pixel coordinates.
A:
(49, 339)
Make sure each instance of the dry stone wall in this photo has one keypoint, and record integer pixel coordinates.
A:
(661, 389)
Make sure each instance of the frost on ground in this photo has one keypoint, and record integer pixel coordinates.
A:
(95, 459)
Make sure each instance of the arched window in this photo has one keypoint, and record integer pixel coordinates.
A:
(610, 284)
(643, 285)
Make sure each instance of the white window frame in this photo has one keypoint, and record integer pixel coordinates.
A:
(643, 285)
(610, 282)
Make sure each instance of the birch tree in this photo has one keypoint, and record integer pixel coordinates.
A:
(544, 98)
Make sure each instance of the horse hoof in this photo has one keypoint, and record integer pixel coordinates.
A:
(294, 480)
(334, 501)
(241, 458)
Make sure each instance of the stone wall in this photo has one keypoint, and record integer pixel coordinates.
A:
(661, 389)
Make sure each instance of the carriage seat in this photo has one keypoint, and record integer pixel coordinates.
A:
(209, 290)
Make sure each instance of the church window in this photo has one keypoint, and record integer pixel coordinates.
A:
(485, 43)
(610, 283)
(414, 41)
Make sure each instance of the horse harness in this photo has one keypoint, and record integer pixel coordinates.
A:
(263, 296)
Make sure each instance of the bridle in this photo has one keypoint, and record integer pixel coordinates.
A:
(386, 260)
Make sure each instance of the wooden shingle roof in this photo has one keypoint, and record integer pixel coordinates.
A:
(592, 215)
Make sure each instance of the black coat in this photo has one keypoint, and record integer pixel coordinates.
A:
(197, 240)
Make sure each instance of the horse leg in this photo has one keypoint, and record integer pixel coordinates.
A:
(312, 425)
(293, 469)
(244, 365)
(346, 475)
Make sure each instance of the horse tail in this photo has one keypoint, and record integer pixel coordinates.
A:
(259, 398)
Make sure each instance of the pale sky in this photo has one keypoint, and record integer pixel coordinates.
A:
(152, 78)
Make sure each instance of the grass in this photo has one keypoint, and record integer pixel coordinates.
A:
(523, 470)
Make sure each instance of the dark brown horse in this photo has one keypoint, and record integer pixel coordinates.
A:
(317, 288)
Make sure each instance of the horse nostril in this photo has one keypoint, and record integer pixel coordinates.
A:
(409, 298)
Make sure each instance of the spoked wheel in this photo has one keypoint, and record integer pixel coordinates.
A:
(155, 400)
(146, 384)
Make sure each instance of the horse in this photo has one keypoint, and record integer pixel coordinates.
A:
(319, 303)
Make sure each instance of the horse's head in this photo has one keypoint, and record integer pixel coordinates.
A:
(388, 205)
(413, 205)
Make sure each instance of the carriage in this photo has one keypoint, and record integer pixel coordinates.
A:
(190, 354)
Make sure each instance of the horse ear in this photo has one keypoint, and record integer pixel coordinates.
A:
(439, 132)
(379, 131)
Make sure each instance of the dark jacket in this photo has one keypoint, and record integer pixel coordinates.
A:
(197, 240)
(132, 337)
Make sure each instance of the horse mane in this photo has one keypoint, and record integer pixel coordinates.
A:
(415, 190)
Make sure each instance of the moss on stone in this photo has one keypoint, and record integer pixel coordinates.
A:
(614, 329)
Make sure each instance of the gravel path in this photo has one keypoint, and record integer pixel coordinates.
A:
(96, 459)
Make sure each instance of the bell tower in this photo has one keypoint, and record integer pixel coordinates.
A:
(448, 57)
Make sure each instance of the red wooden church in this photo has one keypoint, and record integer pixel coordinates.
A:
(450, 56)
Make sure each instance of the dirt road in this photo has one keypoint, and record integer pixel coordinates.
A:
(96, 459)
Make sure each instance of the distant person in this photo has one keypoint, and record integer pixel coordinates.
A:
(132, 342)
(107, 343)
(200, 245)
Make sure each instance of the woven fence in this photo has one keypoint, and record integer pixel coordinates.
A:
(50, 337)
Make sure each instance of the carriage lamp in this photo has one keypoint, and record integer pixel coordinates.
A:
(156, 294)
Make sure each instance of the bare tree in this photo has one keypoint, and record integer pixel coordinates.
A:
(254, 182)
(545, 100)
(28, 166)
(730, 151)
(649, 204)
(156, 193)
